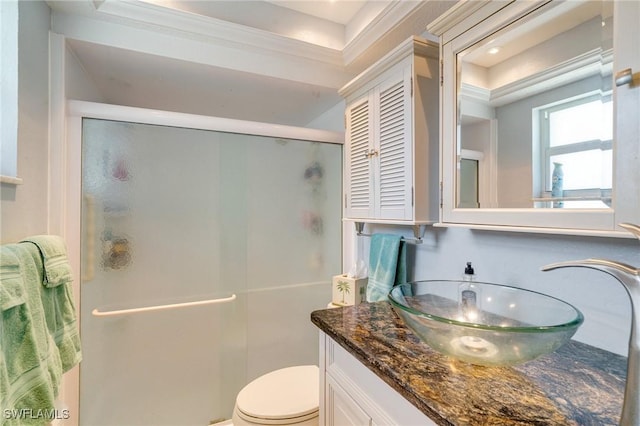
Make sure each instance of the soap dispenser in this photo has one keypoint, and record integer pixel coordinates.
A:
(469, 296)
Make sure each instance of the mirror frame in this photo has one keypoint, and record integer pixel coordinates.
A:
(461, 27)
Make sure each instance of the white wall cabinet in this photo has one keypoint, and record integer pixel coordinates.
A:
(351, 394)
(391, 150)
(597, 45)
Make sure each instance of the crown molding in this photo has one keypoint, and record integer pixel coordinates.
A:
(590, 63)
(220, 31)
(413, 45)
(193, 25)
(229, 45)
(460, 11)
(475, 93)
(392, 15)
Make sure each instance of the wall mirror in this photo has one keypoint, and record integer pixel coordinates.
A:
(527, 115)
(535, 107)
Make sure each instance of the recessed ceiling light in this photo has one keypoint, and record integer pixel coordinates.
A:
(493, 50)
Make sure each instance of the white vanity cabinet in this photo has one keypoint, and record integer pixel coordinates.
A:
(351, 394)
(391, 150)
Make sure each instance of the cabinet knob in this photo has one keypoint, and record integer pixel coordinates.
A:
(370, 153)
(624, 77)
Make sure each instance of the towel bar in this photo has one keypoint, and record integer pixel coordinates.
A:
(405, 239)
(97, 313)
(417, 232)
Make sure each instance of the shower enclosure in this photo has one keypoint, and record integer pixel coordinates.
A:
(202, 254)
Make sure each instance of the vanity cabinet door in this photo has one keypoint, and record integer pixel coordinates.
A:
(342, 410)
(351, 394)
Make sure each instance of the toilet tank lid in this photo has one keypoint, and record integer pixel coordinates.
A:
(285, 393)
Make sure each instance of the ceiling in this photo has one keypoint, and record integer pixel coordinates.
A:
(287, 60)
(544, 27)
(338, 11)
(329, 23)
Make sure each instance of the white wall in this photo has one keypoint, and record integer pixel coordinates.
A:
(9, 94)
(78, 84)
(24, 207)
(332, 119)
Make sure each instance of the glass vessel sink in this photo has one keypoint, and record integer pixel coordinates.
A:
(495, 325)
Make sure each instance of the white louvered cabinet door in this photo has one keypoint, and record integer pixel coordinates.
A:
(393, 140)
(391, 146)
(359, 183)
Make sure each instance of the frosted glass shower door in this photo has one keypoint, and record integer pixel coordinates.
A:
(152, 202)
(172, 216)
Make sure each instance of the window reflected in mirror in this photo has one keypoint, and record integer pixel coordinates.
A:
(469, 183)
(535, 114)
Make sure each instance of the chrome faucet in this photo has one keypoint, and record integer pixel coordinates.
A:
(629, 277)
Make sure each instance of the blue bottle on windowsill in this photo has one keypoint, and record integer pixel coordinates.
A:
(557, 182)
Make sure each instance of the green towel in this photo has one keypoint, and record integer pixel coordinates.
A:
(57, 297)
(387, 265)
(53, 250)
(11, 303)
(11, 290)
(30, 367)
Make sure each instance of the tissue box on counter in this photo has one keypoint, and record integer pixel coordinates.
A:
(348, 291)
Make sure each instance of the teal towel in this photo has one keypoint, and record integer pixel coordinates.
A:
(57, 297)
(53, 250)
(30, 367)
(387, 265)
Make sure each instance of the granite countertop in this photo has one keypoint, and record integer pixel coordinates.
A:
(576, 385)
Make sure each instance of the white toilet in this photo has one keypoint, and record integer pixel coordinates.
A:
(289, 396)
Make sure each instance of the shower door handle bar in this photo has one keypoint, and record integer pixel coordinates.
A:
(97, 313)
